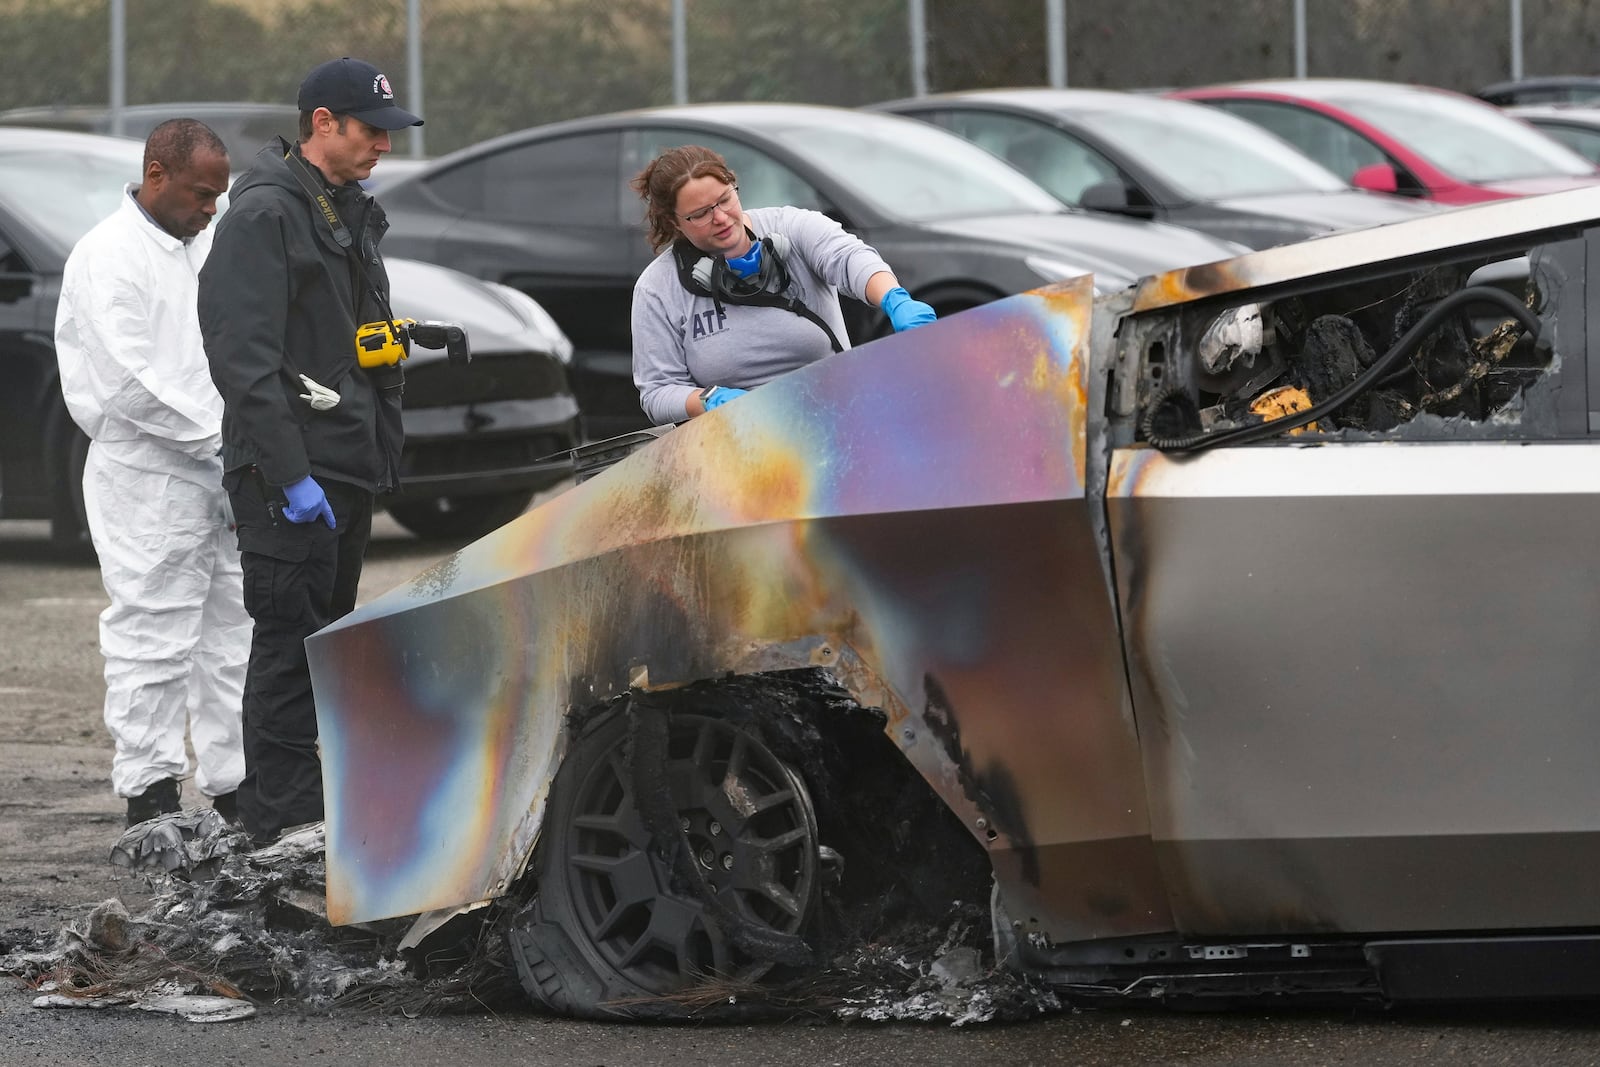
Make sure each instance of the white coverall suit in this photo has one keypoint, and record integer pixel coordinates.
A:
(176, 637)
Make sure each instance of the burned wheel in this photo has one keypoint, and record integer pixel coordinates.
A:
(655, 875)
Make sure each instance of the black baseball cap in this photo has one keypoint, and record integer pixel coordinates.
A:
(351, 87)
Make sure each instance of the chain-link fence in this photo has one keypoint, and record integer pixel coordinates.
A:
(491, 66)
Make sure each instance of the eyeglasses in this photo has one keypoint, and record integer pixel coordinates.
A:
(724, 204)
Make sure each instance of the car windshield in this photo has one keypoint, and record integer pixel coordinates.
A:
(1469, 140)
(65, 192)
(907, 170)
(1210, 155)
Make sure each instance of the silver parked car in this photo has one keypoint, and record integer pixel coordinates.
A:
(1239, 624)
(243, 126)
(1152, 158)
(1575, 125)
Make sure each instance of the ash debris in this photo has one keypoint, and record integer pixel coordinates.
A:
(922, 969)
(248, 926)
(901, 934)
(934, 973)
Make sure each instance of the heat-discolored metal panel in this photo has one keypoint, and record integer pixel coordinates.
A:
(1365, 682)
(910, 514)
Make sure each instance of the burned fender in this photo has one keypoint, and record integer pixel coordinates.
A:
(910, 515)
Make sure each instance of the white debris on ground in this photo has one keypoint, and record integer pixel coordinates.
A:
(949, 983)
(230, 928)
(77, 972)
(168, 998)
(226, 923)
(179, 841)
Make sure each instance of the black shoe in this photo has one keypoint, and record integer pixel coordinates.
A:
(158, 798)
(227, 805)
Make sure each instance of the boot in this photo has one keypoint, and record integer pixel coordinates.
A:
(158, 798)
(227, 806)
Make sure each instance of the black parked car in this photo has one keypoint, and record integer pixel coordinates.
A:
(479, 438)
(549, 210)
(1154, 158)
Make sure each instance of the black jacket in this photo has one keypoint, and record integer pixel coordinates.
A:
(277, 300)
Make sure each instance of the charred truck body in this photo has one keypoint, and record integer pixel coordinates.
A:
(1232, 711)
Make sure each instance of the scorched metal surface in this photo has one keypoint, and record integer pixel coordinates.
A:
(830, 519)
(1289, 715)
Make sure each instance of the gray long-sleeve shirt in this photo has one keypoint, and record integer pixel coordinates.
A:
(681, 344)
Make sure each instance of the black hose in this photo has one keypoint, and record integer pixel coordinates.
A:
(1171, 403)
(1198, 440)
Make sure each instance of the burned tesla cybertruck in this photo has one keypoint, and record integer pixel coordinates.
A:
(1241, 619)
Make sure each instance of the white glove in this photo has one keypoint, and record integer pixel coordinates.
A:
(320, 397)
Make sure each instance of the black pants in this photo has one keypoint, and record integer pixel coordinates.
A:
(298, 577)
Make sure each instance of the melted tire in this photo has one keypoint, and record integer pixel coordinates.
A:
(553, 972)
(614, 931)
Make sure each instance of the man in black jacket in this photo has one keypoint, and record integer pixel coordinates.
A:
(309, 435)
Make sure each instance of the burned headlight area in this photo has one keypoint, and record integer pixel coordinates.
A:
(1441, 350)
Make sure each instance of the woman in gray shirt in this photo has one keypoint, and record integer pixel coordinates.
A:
(737, 298)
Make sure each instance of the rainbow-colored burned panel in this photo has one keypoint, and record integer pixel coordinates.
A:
(910, 513)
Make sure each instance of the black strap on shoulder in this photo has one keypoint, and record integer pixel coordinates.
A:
(789, 303)
(684, 257)
(319, 196)
(723, 285)
(355, 251)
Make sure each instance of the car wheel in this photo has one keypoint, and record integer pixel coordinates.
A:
(456, 518)
(672, 873)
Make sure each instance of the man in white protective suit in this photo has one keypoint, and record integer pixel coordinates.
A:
(176, 637)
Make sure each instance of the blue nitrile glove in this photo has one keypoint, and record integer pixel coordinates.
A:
(747, 264)
(307, 502)
(719, 395)
(905, 313)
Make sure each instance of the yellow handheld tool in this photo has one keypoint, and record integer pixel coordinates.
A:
(383, 344)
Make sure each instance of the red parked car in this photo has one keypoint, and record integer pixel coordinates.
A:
(1406, 139)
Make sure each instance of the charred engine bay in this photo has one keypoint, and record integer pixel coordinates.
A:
(1419, 355)
(900, 931)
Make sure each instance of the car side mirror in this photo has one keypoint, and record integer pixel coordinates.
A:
(1376, 178)
(1117, 197)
